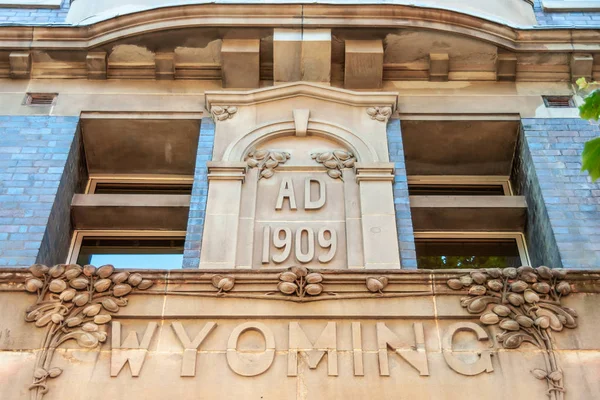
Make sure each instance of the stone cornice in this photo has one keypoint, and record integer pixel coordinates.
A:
(297, 16)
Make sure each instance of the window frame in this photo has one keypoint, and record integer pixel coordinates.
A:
(474, 180)
(519, 239)
(79, 235)
(94, 180)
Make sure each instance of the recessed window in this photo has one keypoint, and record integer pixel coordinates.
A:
(558, 101)
(472, 250)
(134, 185)
(459, 186)
(40, 99)
(145, 250)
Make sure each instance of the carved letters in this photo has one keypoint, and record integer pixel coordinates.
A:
(250, 364)
(327, 342)
(417, 358)
(131, 350)
(483, 364)
(190, 348)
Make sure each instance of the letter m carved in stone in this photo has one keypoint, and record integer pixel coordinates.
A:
(130, 350)
(327, 342)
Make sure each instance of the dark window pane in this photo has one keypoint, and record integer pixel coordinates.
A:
(467, 253)
(129, 252)
(142, 188)
(455, 190)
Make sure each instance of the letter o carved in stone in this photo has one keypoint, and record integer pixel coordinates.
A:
(250, 364)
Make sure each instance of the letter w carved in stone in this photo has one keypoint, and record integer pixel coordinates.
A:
(416, 357)
(327, 342)
(130, 350)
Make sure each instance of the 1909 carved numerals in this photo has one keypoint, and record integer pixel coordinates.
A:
(302, 242)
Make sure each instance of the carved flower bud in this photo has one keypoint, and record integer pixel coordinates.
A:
(39, 373)
(81, 299)
(57, 318)
(134, 279)
(260, 154)
(495, 285)
(38, 270)
(524, 321)
(314, 289)
(102, 285)
(89, 270)
(145, 284)
(559, 273)
(299, 271)
(543, 322)
(121, 290)
(73, 321)
(327, 155)
(524, 269)
(287, 287)
(571, 311)
(57, 270)
(79, 283)
(531, 296)
(544, 272)
(73, 271)
(563, 288)
(334, 173)
(515, 299)
(43, 320)
(466, 280)
(110, 305)
(267, 173)
(251, 162)
(518, 286)
(342, 155)
(349, 163)
(555, 376)
(489, 319)
(226, 284)
(270, 164)
(68, 294)
(477, 290)
(54, 372)
(510, 272)
(509, 325)
(375, 285)
(90, 327)
(478, 277)
(33, 284)
(529, 277)
(121, 301)
(539, 373)
(92, 310)
(120, 277)
(314, 278)
(105, 271)
(455, 284)
(494, 272)
(541, 287)
(57, 285)
(288, 276)
(102, 319)
(501, 310)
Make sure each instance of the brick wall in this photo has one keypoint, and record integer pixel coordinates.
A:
(406, 238)
(34, 16)
(193, 239)
(33, 155)
(571, 199)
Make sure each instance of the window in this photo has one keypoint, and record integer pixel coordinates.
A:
(128, 249)
(459, 186)
(161, 185)
(446, 250)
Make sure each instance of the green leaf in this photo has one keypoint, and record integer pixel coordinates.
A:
(590, 158)
(590, 109)
(582, 83)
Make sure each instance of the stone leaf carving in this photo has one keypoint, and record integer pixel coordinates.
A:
(221, 113)
(380, 113)
(300, 282)
(223, 283)
(525, 303)
(376, 285)
(266, 161)
(335, 161)
(74, 303)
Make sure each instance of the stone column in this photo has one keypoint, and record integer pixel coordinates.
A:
(223, 214)
(378, 215)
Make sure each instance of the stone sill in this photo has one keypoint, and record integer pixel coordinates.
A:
(571, 6)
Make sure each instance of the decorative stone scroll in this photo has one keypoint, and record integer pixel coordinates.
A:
(222, 113)
(380, 113)
(74, 303)
(525, 303)
(266, 161)
(335, 161)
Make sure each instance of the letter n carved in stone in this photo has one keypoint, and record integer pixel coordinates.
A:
(131, 350)
(416, 357)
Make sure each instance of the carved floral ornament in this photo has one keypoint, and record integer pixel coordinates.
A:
(525, 303)
(74, 303)
(222, 113)
(266, 161)
(380, 113)
(335, 161)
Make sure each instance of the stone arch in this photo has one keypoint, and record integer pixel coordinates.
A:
(364, 151)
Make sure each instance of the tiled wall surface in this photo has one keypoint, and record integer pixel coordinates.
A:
(565, 18)
(572, 200)
(193, 239)
(33, 155)
(406, 238)
(34, 16)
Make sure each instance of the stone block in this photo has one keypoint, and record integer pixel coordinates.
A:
(439, 65)
(96, 65)
(241, 63)
(363, 64)
(316, 55)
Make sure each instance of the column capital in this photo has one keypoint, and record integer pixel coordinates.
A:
(380, 172)
(226, 171)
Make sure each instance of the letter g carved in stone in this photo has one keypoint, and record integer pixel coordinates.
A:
(483, 364)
